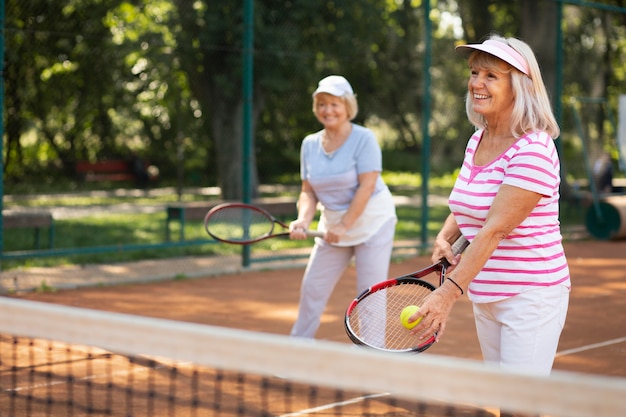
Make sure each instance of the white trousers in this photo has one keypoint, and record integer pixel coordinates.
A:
(326, 266)
(522, 332)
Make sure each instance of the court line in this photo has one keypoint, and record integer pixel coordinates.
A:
(63, 381)
(591, 346)
(333, 405)
(137, 368)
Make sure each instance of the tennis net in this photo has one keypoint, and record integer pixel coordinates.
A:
(66, 361)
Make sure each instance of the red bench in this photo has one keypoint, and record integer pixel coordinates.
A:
(115, 170)
(105, 171)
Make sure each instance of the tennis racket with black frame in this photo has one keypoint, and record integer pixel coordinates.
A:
(244, 224)
(373, 318)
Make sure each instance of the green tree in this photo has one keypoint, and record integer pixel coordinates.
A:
(295, 46)
(59, 67)
(95, 79)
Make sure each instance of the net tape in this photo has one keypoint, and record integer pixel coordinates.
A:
(235, 358)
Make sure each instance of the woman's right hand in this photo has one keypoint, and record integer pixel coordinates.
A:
(443, 249)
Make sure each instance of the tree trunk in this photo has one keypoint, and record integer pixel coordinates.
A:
(227, 133)
(538, 29)
(476, 20)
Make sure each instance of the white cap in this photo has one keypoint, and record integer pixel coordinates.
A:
(335, 85)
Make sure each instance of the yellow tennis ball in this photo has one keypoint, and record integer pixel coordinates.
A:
(407, 312)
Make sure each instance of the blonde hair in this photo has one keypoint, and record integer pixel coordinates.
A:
(532, 110)
(352, 106)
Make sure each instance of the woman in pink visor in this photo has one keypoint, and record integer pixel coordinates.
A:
(506, 203)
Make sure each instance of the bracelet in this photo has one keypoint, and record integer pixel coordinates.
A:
(457, 285)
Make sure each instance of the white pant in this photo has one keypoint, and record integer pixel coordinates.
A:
(326, 266)
(522, 332)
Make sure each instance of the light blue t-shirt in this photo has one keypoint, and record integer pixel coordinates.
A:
(334, 176)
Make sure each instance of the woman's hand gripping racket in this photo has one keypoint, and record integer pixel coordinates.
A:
(373, 318)
(243, 224)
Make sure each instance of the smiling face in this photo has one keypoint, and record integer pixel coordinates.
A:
(490, 90)
(331, 111)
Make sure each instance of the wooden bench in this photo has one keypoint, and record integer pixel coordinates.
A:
(283, 208)
(115, 170)
(16, 220)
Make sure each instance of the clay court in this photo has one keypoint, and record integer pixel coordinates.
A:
(594, 339)
(593, 342)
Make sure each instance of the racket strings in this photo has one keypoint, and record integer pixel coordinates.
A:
(239, 224)
(375, 320)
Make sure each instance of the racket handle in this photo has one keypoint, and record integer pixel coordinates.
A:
(459, 245)
(314, 233)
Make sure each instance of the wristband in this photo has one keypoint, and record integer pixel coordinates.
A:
(457, 285)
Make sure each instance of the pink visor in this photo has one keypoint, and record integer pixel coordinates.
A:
(500, 50)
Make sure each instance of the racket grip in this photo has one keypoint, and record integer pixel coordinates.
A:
(314, 233)
(459, 245)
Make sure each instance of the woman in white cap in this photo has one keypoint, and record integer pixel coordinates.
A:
(340, 170)
(506, 203)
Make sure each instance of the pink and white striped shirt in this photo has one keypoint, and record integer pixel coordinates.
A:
(532, 255)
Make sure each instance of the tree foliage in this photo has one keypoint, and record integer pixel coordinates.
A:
(102, 79)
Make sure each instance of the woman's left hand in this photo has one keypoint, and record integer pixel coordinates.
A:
(335, 232)
(434, 312)
(297, 229)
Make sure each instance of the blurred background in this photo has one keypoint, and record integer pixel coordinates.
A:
(159, 86)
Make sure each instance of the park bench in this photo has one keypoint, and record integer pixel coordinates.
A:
(115, 170)
(37, 221)
(283, 208)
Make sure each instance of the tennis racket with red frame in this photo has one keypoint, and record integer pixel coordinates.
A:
(243, 224)
(373, 318)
